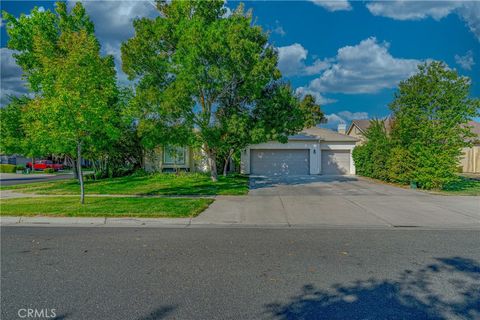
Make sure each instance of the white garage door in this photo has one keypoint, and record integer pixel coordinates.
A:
(276, 162)
(335, 161)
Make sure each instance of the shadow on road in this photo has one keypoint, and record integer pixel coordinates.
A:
(158, 313)
(449, 288)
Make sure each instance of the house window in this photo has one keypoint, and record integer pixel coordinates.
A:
(174, 155)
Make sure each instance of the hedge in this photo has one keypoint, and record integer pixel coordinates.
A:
(8, 168)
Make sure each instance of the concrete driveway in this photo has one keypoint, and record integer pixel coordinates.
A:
(340, 201)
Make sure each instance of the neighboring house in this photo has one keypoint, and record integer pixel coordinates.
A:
(14, 159)
(313, 151)
(470, 162)
(358, 128)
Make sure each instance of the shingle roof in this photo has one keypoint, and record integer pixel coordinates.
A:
(364, 124)
(322, 134)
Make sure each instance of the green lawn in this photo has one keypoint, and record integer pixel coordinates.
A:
(104, 207)
(155, 184)
(463, 187)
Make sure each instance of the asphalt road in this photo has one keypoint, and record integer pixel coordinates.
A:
(7, 179)
(222, 273)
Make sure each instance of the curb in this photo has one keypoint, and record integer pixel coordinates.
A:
(11, 221)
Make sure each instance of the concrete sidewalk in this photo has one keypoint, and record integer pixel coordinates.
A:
(299, 202)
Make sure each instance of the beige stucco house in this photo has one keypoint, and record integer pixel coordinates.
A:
(313, 151)
(358, 128)
(173, 158)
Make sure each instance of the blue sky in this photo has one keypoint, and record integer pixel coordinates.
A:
(349, 54)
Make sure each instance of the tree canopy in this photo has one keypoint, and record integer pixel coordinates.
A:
(74, 87)
(202, 75)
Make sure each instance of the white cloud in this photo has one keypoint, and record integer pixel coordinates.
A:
(11, 79)
(333, 5)
(367, 67)
(343, 117)
(469, 11)
(466, 61)
(347, 115)
(319, 98)
(291, 61)
(279, 30)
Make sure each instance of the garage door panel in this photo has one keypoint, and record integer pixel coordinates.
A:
(336, 162)
(277, 162)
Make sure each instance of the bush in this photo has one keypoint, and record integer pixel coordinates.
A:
(8, 168)
(20, 167)
(49, 170)
(371, 158)
(400, 166)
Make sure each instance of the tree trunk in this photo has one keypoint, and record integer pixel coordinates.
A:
(80, 175)
(225, 166)
(213, 165)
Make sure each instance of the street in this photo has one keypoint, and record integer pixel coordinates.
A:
(11, 179)
(241, 273)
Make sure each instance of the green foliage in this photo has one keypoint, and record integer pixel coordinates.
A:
(104, 207)
(198, 69)
(74, 86)
(151, 184)
(48, 170)
(7, 168)
(400, 165)
(430, 113)
(372, 157)
(431, 110)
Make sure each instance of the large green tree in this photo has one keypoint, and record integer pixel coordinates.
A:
(431, 110)
(74, 87)
(201, 77)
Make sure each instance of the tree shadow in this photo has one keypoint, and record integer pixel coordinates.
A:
(449, 288)
(158, 313)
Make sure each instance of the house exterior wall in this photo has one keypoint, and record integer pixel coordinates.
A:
(340, 146)
(470, 161)
(312, 146)
(315, 151)
(357, 133)
(194, 161)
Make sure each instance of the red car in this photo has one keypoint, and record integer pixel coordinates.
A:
(44, 164)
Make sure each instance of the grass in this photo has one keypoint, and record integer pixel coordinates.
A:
(104, 207)
(155, 184)
(464, 186)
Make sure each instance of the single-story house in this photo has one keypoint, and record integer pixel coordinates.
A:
(469, 163)
(313, 151)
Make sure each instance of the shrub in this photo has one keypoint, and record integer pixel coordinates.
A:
(8, 168)
(48, 170)
(371, 158)
(20, 167)
(400, 165)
